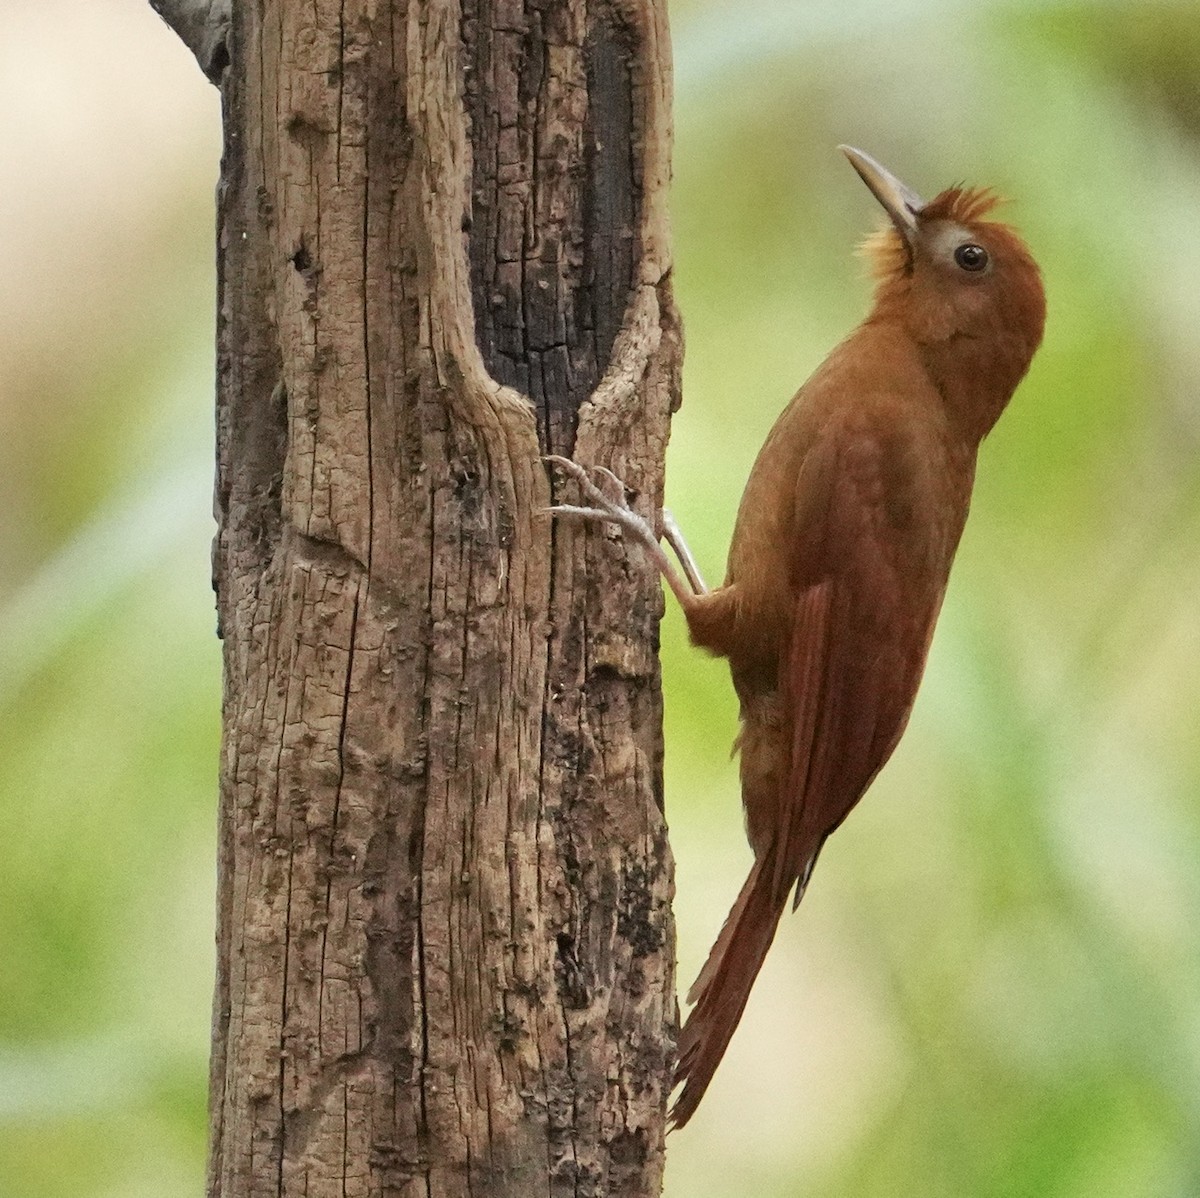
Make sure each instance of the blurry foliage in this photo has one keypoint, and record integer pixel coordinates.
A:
(993, 987)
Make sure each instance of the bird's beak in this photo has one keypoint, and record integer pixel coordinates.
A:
(899, 201)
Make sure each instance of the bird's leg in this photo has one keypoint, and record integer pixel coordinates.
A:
(674, 536)
(617, 511)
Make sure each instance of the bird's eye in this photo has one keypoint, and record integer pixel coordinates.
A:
(971, 257)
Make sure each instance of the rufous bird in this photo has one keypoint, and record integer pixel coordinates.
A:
(841, 553)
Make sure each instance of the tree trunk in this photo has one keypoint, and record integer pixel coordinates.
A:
(445, 946)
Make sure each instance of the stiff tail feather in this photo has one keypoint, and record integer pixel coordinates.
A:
(721, 990)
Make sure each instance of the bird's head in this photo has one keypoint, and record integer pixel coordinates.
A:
(965, 287)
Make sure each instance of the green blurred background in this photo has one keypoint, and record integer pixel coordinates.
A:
(993, 987)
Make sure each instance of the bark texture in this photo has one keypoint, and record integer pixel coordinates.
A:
(445, 948)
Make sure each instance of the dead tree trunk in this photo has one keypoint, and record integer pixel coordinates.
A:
(445, 947)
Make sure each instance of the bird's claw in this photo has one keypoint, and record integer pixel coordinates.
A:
(604, 508)
(583, 479)
(607, 509)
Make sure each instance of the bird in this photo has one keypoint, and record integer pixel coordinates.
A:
(841, 553)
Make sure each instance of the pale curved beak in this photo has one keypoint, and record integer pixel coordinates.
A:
(899, 200)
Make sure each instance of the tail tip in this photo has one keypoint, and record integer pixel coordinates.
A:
(690, 1086)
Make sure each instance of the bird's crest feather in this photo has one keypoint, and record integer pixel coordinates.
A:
(962, 204)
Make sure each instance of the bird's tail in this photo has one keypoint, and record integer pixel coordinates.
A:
(721, 990)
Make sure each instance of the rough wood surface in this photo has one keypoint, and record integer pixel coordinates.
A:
(445, 948)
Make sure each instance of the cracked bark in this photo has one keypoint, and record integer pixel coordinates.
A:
(445, 947)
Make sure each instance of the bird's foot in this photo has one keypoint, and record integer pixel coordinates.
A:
(611, 509)
(616, 510)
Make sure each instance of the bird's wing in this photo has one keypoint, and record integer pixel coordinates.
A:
(859, 637)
